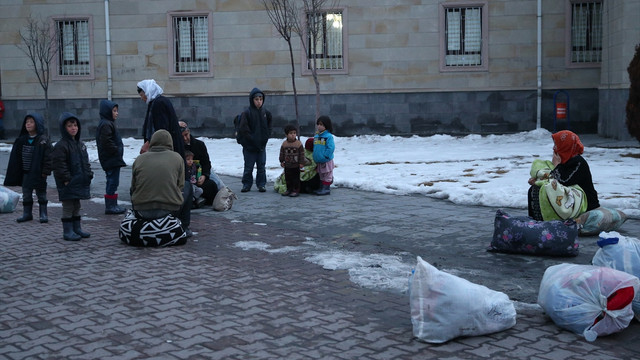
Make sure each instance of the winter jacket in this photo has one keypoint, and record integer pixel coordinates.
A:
(40, 161)
(292, 154)
(71, 163)
(323, 147)
(575, 171)
(108, 140)
(158, 176)
(254, 129)
(160, 115)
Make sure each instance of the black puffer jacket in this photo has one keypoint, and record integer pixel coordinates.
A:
(71, 163)
(108, 140)
(255, 125)
(41, 161)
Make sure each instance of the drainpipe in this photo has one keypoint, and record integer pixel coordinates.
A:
(539, 67)
(108, 41)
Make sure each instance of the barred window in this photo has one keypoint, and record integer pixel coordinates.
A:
(586, 32)
(327, 50)
(190, 44)
(74, 48)
(463, 34)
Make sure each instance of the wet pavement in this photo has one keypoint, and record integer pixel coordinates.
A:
(246, 286)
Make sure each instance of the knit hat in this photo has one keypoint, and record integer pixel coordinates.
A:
(309, 144)
(567, 145)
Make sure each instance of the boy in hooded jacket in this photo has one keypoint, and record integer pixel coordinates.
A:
(72, 171)
(30, 165)
(254, 130)
(110, 154)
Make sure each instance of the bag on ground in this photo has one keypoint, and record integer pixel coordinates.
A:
(224, 199)
(523, 235)
(444, 306)
(595, 221)
(589, 300)
(620, 253)
(8, 200)
(138, 231)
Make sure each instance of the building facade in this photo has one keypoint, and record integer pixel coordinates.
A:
(401, 67)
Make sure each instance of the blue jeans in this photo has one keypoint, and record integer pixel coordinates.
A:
(252, 158)
(113, 180)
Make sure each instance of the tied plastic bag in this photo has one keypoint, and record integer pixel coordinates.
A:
(8, 200)
(224, 199)
(444, 306)
(620, 253)
(588, 300)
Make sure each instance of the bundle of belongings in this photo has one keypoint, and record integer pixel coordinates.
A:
(589, 300)
(135, 230)
(444, 306)
(8, 200)
(523, 235)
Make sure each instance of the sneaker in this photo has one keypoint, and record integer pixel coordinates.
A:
(245, 189)
(294, 194)
(261, 189)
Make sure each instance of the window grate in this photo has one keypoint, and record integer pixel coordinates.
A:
(586, 32)
(191, 44)
(74, 52)
(463, 36)
(327, 50)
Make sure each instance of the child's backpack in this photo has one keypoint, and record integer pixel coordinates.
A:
(236, 126)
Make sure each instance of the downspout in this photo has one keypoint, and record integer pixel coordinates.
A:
(108, 41)
(539, 67)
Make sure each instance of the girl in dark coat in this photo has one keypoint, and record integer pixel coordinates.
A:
(30, 165)
(73, 175)
(110, 152)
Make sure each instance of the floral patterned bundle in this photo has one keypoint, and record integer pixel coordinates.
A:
(523, 235)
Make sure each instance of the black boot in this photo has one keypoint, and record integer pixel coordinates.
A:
(77, 228)
(111, 205)
(325, 190)
(43, 211)
(68, 233)
(27, 207)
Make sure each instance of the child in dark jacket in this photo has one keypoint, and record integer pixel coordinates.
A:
(30, 165)
(292, 159)
(110, 152)
(73, 175)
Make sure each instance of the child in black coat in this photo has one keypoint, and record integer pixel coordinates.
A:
(30, 165)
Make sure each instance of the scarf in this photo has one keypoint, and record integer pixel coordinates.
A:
(567, 145)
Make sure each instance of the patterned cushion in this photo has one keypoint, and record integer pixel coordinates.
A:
(601, 219)
(523, 235)
(164, 231)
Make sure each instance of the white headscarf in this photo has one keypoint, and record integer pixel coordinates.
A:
(151, 89)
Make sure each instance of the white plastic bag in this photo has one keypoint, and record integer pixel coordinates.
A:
(620, 253)
(576, 298)
(8, 200)
(444, 306)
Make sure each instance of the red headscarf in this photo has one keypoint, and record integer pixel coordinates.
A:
(567, 144)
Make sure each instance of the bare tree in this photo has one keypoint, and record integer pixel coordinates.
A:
(633, 103)
(311, 28)
(40, 44)
(282, 14)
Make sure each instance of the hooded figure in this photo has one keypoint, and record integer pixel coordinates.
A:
(110, 153)
(30, 165)
(72, 171)
(157, 178)
(160, 115)
(253, 134)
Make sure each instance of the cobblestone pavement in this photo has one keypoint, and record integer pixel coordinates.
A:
(214, 299)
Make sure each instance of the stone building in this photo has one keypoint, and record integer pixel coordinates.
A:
(399, 67)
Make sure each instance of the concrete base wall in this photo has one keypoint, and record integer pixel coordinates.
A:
(404, 114)
(613, 103)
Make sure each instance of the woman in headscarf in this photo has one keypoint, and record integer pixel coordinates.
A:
(160, 115)
(570, 168)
